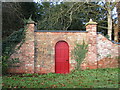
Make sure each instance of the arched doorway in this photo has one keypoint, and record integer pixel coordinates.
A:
(61, 57)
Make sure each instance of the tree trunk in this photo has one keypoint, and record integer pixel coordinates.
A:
(109, 24)
(118, 11)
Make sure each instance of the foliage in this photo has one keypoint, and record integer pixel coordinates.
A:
(9, 44)
(13, 15)
(4, 64)
(79, 53)
(74, 15)
(70, 15)
(95, 78)
(107, 36)
(8, 48)
(54, 16)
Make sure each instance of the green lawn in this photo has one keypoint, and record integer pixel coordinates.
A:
(96, 78)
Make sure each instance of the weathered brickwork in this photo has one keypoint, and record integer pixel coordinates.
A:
(37, 54)
(45, 48)
(106, 48)
(108, 52)
(25, 53)
(92, 43)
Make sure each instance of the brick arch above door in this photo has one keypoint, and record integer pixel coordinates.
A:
(62, 39)
(70, 43)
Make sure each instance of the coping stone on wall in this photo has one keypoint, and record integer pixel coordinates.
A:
(58, 31)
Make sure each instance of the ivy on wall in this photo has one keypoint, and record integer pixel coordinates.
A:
(8, 48)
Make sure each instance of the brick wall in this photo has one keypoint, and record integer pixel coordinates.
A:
(108, 52)
(37, 54)
(45, 48)
(25, 53)
(106, 48)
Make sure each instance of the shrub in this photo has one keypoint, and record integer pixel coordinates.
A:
(79, 53)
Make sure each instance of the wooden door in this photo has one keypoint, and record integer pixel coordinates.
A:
(61, 57)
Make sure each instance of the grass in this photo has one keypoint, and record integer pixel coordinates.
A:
(96, 78)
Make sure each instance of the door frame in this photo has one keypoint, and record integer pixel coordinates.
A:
(68, 54)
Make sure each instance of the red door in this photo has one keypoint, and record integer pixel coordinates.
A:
(62, 57)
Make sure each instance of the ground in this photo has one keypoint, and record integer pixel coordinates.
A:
(95, 78)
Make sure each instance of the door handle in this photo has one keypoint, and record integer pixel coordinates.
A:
(67, 60)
